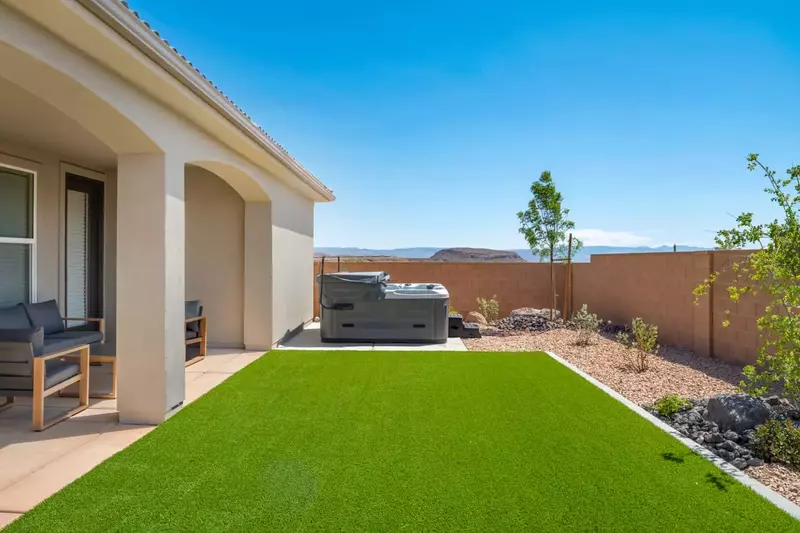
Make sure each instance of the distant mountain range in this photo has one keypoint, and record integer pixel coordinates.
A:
(428, 252)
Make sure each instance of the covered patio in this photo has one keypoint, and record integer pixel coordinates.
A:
(130, 185)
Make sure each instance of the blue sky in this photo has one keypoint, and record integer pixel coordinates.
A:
(430, 119)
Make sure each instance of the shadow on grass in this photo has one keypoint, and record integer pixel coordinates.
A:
(719, 481)
(673, 457)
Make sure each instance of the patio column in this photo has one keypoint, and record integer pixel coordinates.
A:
(258, 275)
(150, 287)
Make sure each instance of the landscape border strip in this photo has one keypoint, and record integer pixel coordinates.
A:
(764, 491)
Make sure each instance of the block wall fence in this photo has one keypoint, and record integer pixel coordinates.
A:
(654, 286)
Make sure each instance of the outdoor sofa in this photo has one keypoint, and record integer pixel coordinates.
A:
(34, 341)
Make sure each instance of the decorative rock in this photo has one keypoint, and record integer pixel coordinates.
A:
(754, 461)
(772, 400)
(725, 454)
(479, 318)
(694, 417)
(700, 439)
(714, 438)
(728, 445)
(737, 412)
(739, 463)
(731, 435)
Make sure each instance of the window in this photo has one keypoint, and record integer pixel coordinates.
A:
(17, 235)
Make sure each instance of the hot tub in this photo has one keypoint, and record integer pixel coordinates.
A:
(365, 307)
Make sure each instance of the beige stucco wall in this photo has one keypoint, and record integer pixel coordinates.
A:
(292, 263)
(215, 254)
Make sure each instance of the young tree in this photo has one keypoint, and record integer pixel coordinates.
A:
(545, 224)
(774, 270)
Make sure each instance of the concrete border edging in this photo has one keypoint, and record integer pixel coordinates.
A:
(761, 489)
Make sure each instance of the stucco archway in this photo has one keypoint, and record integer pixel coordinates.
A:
(229, 252)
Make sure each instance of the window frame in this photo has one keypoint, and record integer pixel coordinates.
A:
(31, 242)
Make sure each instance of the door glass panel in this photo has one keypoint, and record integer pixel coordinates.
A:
(16, 204)
(77, 254)
(15, 269)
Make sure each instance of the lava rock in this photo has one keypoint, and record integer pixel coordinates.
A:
(725, 454)
(714, 438)
(728, 445)
(755, 461)
(772, 400)
(529, 323)
(737, 412)
(740, 463)
(731, 435)
(694, 416)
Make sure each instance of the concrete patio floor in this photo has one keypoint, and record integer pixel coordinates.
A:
(309, 339)
(35, 465)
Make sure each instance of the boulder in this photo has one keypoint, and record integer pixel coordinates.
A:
(739, 463)
(737, 412)
(479, 318)
(731, 435)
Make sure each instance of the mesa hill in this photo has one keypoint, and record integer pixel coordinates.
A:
(477, 254)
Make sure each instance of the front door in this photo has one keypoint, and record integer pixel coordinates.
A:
(84, 247)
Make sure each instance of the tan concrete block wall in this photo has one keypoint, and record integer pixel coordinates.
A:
(515, 284)
(740, 340)
(656, 287)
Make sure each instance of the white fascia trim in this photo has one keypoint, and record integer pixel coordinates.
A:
(119, 18)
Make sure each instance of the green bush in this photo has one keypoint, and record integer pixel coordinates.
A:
(451, 311)
(777, 441)
(670, 405)
(587, 325)
(489, 308)
(641, 340)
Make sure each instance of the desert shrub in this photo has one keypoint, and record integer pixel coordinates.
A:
(587, 325)
(772, 271)
(670, 405)
(641, 341)
(489, 308)
(777, 441)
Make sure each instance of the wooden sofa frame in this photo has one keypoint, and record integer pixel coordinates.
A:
(40, 393)
(201, 340)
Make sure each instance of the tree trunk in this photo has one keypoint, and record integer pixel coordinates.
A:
(552, 286)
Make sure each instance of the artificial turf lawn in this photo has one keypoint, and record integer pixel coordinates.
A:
(417, 440)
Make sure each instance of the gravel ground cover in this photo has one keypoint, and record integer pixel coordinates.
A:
(674, 371)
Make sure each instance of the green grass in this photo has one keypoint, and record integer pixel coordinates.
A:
(418, 441)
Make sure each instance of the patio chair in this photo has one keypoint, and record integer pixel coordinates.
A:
(196, 343)
(27, 370)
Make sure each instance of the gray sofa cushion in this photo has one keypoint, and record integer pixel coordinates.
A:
(14, 318)
(55, 372)
(46, 315)
(193, 309)
(29, 335)
(65, 340)
(77, 336)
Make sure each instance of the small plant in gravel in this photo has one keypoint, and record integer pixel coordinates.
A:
(587, 325)
(670, 404)
(489, 308)
(641, 340)
(777, 441)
